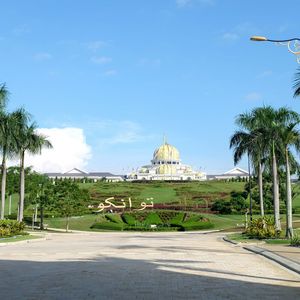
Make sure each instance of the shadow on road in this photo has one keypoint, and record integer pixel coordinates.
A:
(119, 278)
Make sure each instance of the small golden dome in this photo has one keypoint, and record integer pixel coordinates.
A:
(166, 152)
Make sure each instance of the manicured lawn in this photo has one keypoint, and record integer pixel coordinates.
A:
(186, 193)
(76, 223)
(18, 238)
(159, 194)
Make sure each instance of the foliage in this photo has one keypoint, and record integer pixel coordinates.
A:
(262, 228)
(68, 199)
(153, 218)
(164, 221)
(295, 240)
(11, 227)
(222, 207)
(115, 218)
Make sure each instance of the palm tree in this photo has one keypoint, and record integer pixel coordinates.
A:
(5, 138)
(28, 140)
(280, 120)
(3, 96)
(8, 149)
(254, 139)
(248, 142)
(290, 137)
(297, 84)
(270, 123)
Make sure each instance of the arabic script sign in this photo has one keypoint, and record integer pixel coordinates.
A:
(109, 204)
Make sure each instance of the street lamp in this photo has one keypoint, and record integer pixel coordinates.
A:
(293, 44)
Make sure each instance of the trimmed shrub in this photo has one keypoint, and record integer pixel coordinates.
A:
(295, 241)
(178, 219)
(195, 226)
(262, 228)
(129, 219)
(153, 218)
(11, 227)
(108, 226)
(115, 218)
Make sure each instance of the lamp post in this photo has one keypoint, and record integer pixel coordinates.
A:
(293, 44)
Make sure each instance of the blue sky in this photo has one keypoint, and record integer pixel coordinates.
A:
(124, 73)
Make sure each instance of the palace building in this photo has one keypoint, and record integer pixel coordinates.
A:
(166, 165)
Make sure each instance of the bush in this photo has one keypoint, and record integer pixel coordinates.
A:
(195, 226)
(153, 218)
(108, 226)
(11, 227)
(115, 218)
(262, 228)
(129, 219)
(295, 241)
(222, 206)
(178, 219)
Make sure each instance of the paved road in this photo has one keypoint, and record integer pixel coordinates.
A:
(140, 266)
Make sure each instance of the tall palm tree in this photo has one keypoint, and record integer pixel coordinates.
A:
(270, 123)
(277, 124)
(5, 138)
(290, 137)
(3, 96)
(8, 149)
(252, 123)
(297, 84)
(28, 140)
(249, 142)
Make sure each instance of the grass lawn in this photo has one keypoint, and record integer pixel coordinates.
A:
(76, 223)
(14, 204)
(186, 193)
(159, 194)
(19, 238)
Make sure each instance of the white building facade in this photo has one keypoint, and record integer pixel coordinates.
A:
(166, 165)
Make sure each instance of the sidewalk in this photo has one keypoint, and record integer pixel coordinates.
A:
(292, 253)
(285, 255)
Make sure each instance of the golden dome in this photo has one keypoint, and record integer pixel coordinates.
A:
(166, 169)
(166, 152)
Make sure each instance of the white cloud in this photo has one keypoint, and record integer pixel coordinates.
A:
(101, 60)
(112, 132)
(111, 72)
(229, 36)
(96, 45)
(147, 62)
(70, 150)
(253, 96)
(186, 3)
(264, 74)
(41, 56)
(20, 30)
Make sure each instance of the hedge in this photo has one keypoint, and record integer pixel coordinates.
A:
(11, 227)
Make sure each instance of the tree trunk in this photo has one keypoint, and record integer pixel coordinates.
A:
(67, 223)
(41, 217)
(289, 214)
(9, 205)
(22, 187)
(3, 187)
(275, 191)
(260, 185)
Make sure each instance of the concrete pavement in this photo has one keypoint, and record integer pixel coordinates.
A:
(188, 265)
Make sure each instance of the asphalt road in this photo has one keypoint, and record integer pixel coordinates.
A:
(140, 266)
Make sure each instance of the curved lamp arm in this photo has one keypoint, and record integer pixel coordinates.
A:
(293, 44)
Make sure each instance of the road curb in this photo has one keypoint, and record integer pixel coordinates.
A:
(23, 242)
(229, 241)
(289, 264)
